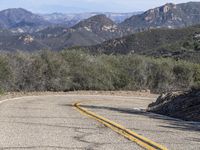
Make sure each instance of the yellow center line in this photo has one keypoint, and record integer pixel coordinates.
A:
(140, 140)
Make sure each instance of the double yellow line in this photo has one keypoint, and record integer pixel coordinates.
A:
(140, 140)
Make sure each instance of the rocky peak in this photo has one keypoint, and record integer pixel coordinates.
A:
(13, 10)
(167, 7)
(169, 15)
(18, 17)
(159, 11)
(95, 21)
(17, 12)
(27, 39)
(97, 24)
(102, 19)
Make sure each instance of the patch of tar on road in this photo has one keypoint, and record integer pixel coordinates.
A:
(82, 138)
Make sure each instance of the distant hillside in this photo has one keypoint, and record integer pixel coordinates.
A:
(169, 16)
(159, 39)
(92, 31)
(71, 19)
(24, 42)
(101, 26)
(21, 20)
(177, 43)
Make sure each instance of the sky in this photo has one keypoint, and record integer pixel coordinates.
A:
(78, 6)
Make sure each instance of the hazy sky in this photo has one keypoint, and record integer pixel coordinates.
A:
(67, 6)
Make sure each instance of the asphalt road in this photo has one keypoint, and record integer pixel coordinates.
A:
(51, 122)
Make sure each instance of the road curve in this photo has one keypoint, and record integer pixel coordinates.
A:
(51, 122)
(136, 138)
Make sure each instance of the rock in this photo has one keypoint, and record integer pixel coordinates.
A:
(183, 105)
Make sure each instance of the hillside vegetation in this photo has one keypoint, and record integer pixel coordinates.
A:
(32, 32)
(77, 70)
(181, 43)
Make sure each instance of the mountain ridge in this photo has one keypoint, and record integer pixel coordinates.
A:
(102, 31)
(74, 18)
(177, 43)
(91, 31)
(169, 15)
(21, 20)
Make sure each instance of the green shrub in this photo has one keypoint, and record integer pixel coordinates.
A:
(78, 70)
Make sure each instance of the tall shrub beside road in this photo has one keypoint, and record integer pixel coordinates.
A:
(78, 70)
(5, 74)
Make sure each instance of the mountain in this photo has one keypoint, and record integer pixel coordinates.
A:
(100, 33)
(92, 31)
(67, 20)
(58, 38)
(21, 20)
(70, 20)
(169, 15)
(120, 17)
(178, 43)
(181, 43)
(101, 26)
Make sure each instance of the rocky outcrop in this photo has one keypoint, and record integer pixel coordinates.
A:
(167, 16)
(102, 26)
(183, 105)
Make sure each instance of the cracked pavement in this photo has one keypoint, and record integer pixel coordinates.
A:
(50, 122)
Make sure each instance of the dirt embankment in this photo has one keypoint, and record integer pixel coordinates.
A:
(183, 105)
